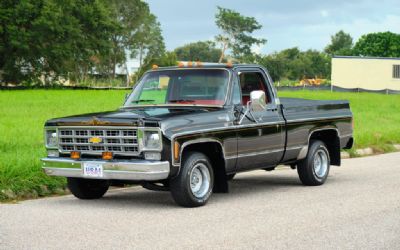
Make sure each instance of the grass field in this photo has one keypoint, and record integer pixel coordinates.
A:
(23, 113)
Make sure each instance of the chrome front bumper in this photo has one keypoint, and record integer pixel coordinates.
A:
(138, 170)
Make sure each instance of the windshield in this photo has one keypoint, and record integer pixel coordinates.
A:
(182, 87)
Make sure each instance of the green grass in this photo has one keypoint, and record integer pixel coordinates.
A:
(22, 116)
(376, 116)
(23, 113)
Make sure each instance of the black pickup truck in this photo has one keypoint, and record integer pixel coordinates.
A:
(189, 129)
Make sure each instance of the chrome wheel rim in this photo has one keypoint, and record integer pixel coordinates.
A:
(199, 180)
(320, 163)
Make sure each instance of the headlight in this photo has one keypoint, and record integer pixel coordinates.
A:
(51, 138)
(152, 140)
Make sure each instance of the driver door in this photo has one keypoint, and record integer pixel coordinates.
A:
(261, 142)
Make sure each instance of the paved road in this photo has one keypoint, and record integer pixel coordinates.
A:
(358, 207)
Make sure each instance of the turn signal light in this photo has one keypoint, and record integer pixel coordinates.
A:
(190, 64)
(176, 151)
(155, 66)
(107, 155)
(75, 155)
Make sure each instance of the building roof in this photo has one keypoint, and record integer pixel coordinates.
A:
(367, 57)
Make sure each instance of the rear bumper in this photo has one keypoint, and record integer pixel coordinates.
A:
(138, 170)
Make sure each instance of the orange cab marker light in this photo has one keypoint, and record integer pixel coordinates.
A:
(75, 155)
(189, 64)
(155, 66)
(199, 64)
(180, 64)
(107, 155)
(176, 151)
(229, 64)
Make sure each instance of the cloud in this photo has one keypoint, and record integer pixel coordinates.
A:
(324, 13)
(302, 23)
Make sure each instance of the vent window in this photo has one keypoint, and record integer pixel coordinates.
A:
(396, 71)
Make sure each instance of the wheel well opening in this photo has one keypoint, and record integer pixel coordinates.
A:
(331, 139)
(213, 151)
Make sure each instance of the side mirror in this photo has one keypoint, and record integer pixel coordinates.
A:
(257, 99)
(256, 104)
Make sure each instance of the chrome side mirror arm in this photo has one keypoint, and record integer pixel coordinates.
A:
(246, 113)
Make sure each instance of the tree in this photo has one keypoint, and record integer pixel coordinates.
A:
(341, 44)
(204, 51)
(149, 39)
(71, 38)
(382, 44)
(130, 14)
(275, 65)
(52, 37)
(294, 64)
(164, 60)
(236, 33)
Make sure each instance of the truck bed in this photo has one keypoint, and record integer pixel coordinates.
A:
(303, 116)
(298, 104)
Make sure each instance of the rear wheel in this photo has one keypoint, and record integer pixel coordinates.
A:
(193, 186)
(87, 188)
(314, 169)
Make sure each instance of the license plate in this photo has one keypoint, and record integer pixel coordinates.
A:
(93, 169)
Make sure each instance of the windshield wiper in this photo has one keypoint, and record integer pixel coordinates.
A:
(182, 100)
(144, 100)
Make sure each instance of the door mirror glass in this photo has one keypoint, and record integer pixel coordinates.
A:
(257, 99)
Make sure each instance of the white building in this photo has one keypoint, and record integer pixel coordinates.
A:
(369, 73)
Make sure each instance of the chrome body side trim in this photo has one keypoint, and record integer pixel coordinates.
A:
(318, 118)
(254, 125)
(233, 127)
(137, 170)
(196, 141)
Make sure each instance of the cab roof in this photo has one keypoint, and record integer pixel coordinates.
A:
(206, 65)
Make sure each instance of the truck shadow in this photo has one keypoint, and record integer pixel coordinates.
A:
(242, 185)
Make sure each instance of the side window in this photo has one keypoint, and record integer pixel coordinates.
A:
(251, 81)
(236, 97)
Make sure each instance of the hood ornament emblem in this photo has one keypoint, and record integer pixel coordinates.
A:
(95, 122)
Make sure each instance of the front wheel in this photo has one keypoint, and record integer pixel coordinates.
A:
(87, 188)
(314, 169)
(193, 186)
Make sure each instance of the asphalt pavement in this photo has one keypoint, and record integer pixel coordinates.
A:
(357, 208)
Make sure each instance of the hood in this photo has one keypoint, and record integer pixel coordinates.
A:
(143, 116)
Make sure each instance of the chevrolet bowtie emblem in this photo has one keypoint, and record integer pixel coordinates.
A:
(95, 122)
(95, 140)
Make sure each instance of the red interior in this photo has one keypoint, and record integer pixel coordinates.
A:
(251, 86)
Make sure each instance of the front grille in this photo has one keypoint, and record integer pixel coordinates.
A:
(119, 141)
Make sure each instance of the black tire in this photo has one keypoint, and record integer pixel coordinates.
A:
(310, 175)
(230, 177)
(87, 189)
(180, 186)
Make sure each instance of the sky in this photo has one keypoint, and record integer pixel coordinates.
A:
(307, 24)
